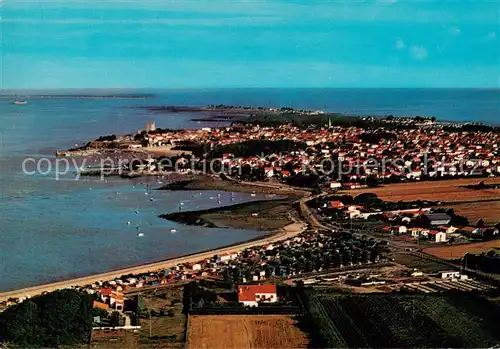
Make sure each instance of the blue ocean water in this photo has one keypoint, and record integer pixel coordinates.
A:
(52, 229)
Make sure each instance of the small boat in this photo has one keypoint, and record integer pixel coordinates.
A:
(151, 199)
(173, 230)
(128, 223)
(20, 102)
(140, 234)
(253, 194)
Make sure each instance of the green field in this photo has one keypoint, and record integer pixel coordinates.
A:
(402, 321)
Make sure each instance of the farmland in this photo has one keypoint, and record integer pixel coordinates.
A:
(458, 251)
(402, 321)
(447, 190)
(489, 212)
(422, 264)
(238, 331)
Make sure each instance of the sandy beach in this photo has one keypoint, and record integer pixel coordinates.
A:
(219, 218)
(289, 231)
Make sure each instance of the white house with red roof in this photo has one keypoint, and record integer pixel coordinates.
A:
(252, 295)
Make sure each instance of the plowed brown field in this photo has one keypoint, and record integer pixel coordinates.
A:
(489, 212)
(458, 251)
(244, 331)
(449, 190)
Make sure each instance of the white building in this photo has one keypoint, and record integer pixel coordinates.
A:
(449, 274)
(252, 295)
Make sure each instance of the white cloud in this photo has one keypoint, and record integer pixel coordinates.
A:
(418, 52)
(400, 44)
(454, 31)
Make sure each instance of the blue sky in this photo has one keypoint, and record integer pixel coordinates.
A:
(253, 43)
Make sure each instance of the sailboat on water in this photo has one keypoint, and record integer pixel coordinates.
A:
(20, 101)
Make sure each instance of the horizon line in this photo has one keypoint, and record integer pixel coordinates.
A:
(8, 90)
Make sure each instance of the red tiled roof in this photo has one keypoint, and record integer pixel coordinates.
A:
(100, 305)
(336, 204)
(247, 292)
(106, 291)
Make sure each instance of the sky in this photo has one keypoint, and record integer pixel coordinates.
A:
(51, 44)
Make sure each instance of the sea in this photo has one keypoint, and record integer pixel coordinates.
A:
(57, 228)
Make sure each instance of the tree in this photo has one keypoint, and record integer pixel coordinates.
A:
(62, 317)
(114, 319)
(372, 181)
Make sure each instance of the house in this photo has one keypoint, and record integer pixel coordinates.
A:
(353, 214)
(117, 300)
(401, 229)
(397, 229)
(224, 258)
(268, 171)
(469, 231)
(105, 293)
(437, 236)
(449, 274)
(448, 230)
(196, 266)
(419, 232)
(100, 305)
(336, 204)
(335, 185)
(252, 295)
(437, 219)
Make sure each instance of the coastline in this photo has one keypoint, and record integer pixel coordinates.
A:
(265, 215)
(197, 183)
(207, 182)
(289, 231)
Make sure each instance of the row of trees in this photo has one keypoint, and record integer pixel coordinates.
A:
(328, 252)
(58, 318)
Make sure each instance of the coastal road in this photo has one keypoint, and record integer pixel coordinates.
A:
(267, 185)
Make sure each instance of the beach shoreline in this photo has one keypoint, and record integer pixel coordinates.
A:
(201, 183)
(291, 230)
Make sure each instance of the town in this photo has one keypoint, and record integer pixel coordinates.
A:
(327, 156)
(371, 225)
